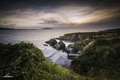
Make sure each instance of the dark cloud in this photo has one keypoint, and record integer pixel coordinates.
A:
(10, 7)
(21, 4)
(6, 5)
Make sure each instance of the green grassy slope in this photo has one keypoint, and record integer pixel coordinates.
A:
(26, 62)
(100, 60)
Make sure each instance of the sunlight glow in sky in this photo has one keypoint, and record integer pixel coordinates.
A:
(57, 16)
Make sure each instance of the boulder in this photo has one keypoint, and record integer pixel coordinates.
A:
(60, 45)
(69, 48)
(45, 44)
(52, 42)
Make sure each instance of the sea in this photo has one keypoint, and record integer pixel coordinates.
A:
(38, 38)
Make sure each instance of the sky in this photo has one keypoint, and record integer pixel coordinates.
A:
(59, 13)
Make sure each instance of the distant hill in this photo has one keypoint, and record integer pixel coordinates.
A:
(25, 29)
(112, 30)
(6, 29)
(47, 28)
(80, 36)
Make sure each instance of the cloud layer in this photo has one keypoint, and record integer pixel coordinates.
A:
(45, 13)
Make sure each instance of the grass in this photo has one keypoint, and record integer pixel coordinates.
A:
(26, 62)
(100, 60)
(100, 57)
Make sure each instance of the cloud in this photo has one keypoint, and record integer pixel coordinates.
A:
(59, 13)
(49, 21)
(6, 5)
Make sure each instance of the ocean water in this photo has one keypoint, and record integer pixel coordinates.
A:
(38, 38)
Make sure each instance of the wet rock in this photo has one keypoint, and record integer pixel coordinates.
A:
(60, 45)
(52, 42)
(45, 45)
(69, 48)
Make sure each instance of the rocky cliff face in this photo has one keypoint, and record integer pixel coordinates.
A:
(77, 36)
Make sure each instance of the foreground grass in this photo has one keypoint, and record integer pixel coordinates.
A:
(24, 61)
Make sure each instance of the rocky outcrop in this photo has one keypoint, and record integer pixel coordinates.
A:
(78, 36)
(60, 45)
(57, 45)
(52, 42)
(69, 48)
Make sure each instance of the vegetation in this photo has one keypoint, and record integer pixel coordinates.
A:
(24, 61)
(100, 54)
(86, 37)
(81, 39)
(101, 59)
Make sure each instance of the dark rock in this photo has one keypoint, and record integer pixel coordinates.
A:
(52, 42)
(45, 45)
(60, 45)
(69, 48)
(74, 48)
(61, 38)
